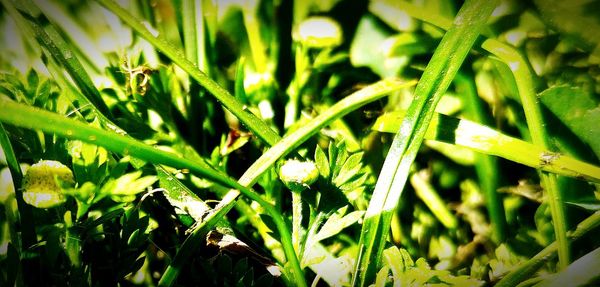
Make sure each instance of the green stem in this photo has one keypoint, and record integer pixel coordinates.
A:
(188, 10)
(539, 136)
(297, 221)
(258, 127)
(486, 166)
(528, 268)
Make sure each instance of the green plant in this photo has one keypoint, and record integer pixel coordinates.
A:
(293, 143)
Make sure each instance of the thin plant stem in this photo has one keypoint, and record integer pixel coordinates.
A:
(297, 221)
(486, 166)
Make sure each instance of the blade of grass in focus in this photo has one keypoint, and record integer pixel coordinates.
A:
(436, 78)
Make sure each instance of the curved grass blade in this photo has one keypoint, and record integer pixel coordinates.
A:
(491, 142)
(436, 78)
(350, 103)
(33, 118)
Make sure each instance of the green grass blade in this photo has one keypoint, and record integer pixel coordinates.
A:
(257, 126)
(49, 38)
(33, 118)
(438, 75)
(27, 223)
(488, 141)
(188, 10)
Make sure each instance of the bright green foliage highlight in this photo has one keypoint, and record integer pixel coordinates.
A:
(173, 123)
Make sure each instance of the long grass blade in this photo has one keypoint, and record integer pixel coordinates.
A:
(438, 75)
(488, 141)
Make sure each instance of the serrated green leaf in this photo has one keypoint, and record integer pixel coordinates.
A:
(340, 158)
(355, 182)
(322, 162)
(349, 169)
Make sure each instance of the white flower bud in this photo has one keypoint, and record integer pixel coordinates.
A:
(319, 32)
(297, 175)
(40, 188)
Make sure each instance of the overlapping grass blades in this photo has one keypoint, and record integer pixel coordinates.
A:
(436, 78)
